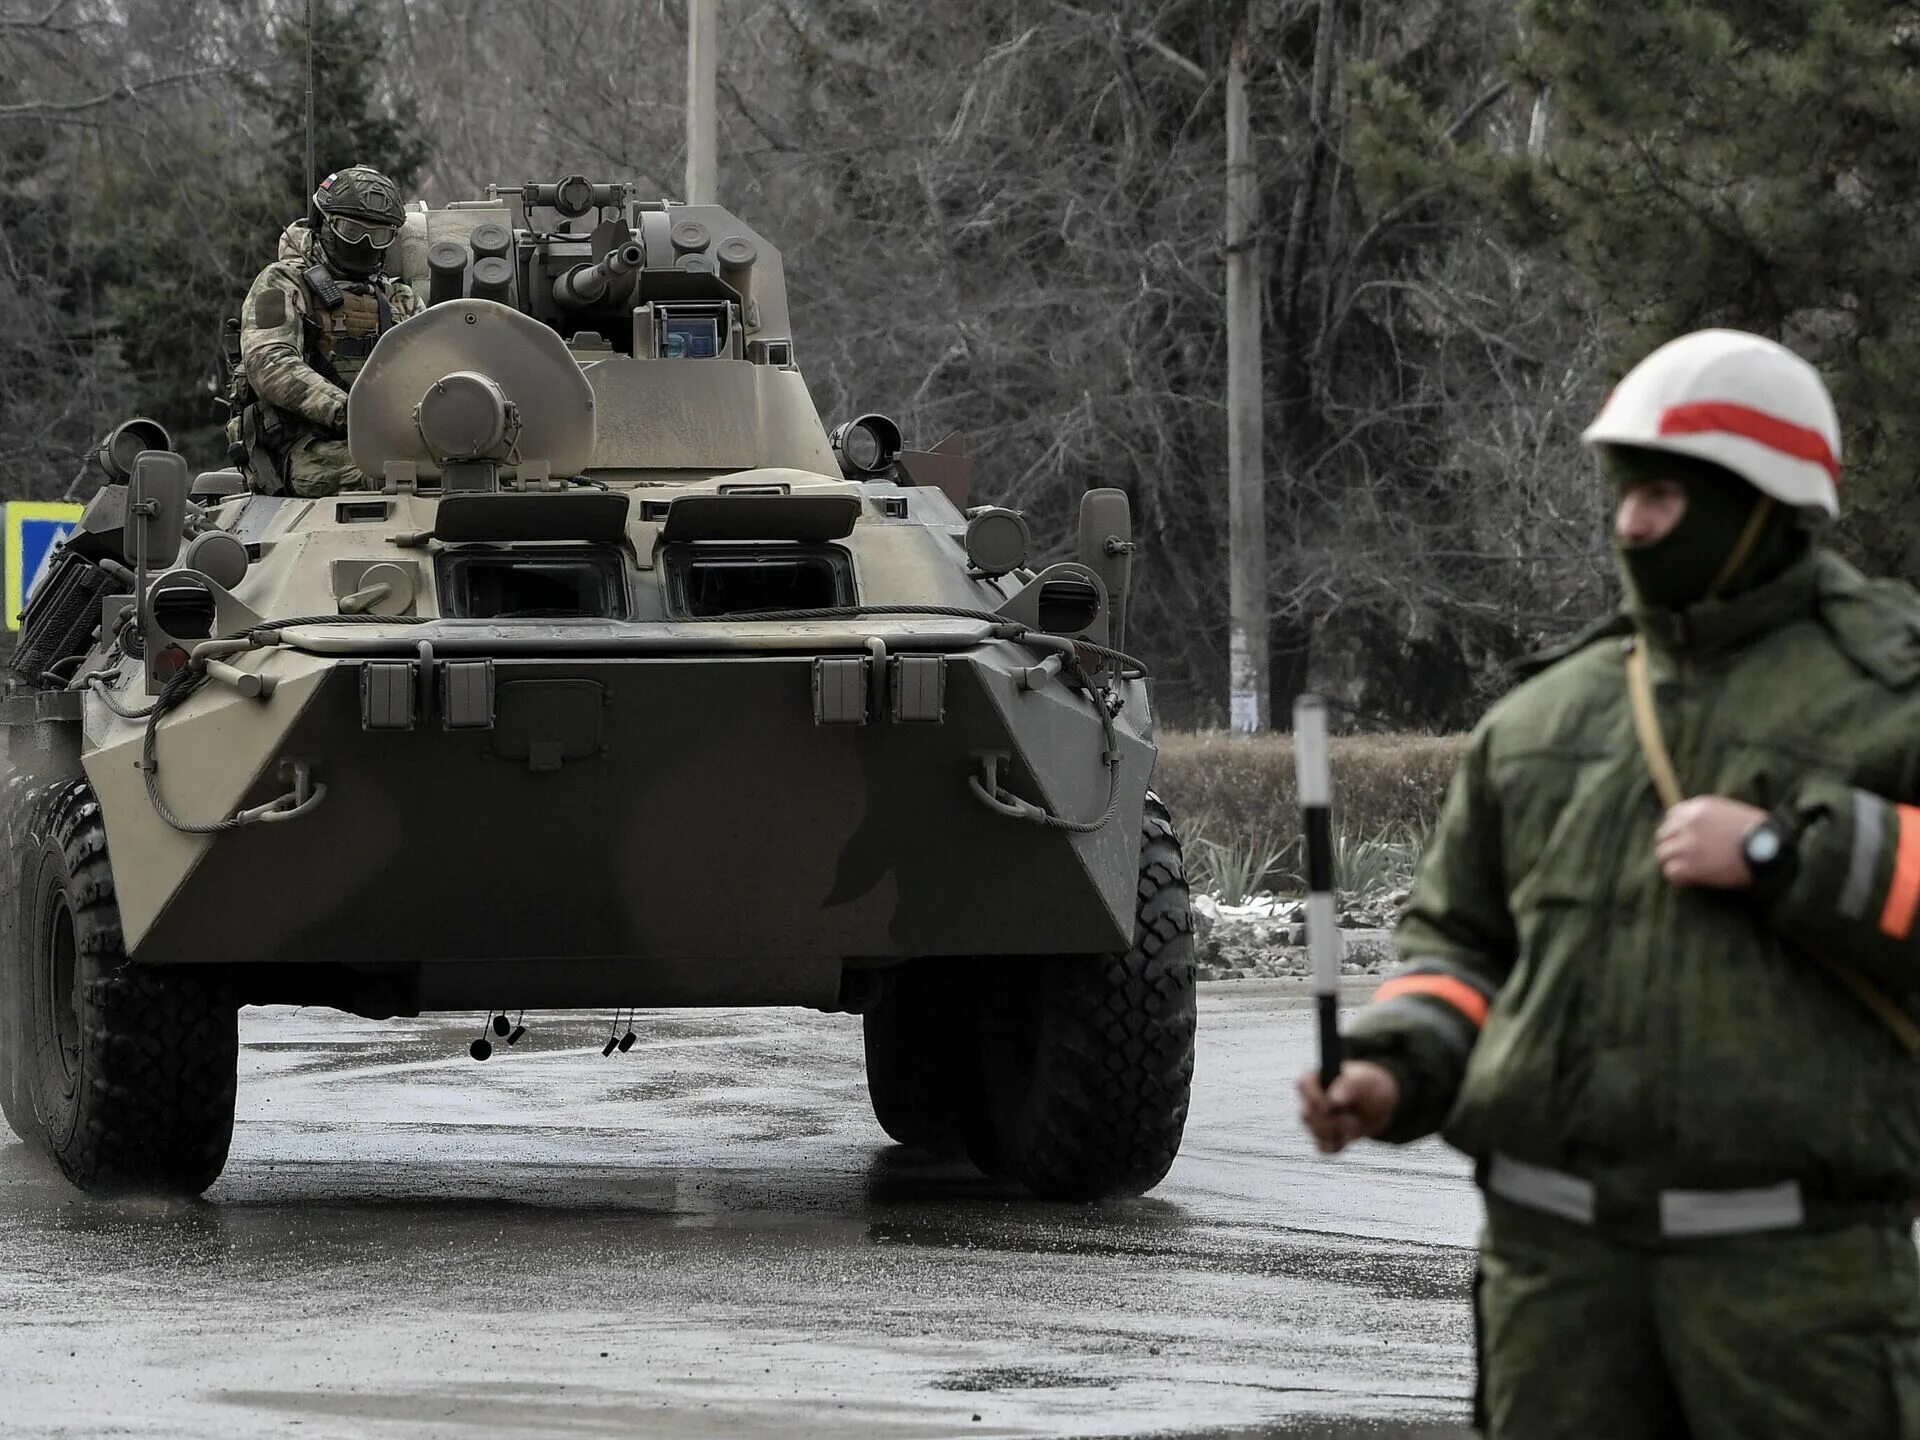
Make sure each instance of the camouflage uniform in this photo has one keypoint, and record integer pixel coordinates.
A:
(301, 357)
(1609, 1047)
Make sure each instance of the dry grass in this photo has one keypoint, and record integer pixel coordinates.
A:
(1235, 803)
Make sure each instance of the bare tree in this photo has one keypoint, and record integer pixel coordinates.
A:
(1000, 218)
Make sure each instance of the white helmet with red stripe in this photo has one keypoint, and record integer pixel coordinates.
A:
(1742, 402)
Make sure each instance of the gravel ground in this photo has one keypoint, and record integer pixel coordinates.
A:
(1266, 938)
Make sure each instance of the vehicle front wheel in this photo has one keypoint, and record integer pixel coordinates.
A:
(130, 1072)
(1087, 1061)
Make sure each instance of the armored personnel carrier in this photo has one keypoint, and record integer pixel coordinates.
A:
(624, 684)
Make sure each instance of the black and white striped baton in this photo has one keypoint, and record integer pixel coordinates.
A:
(1315, 780)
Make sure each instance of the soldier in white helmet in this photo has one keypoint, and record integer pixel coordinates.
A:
(1661, 961)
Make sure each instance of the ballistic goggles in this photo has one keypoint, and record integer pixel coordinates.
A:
(349, 231)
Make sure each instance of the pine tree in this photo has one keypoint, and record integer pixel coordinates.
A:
(1746, 163)
(181, 217)
(356, 120)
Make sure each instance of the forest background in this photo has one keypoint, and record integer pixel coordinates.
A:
(1006, 218)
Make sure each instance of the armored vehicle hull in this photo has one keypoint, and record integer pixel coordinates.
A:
(626, 686)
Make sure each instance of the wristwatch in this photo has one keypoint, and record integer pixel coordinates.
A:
(1768, 849)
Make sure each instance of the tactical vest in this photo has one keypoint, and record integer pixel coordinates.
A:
(341, 339)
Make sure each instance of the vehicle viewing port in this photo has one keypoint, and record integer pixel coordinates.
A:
(742, 579)
(522, 584)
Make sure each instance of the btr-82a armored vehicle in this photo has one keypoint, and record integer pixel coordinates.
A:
(624, 684)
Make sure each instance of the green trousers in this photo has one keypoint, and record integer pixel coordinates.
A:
(321, 465)
(1763, 1337)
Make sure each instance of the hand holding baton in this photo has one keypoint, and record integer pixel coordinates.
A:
(1315, 782)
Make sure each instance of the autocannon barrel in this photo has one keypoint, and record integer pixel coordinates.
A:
(590, 284)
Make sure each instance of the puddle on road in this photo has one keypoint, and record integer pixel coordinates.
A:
(1383, 1430)
(338, 1211)
(495, 1408)
(945, 1204)
(1015, 1377)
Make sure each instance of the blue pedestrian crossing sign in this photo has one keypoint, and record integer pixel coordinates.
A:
(34, 528)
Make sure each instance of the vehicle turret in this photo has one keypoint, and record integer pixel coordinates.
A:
(584, 256)
(627, 284)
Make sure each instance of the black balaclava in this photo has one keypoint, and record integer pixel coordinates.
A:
(1691, 563)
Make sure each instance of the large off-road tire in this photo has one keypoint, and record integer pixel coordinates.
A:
(130, 1072)
(15, 1108)
(1086, 1062)
(919, 1046)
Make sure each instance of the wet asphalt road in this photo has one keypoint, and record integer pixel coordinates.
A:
(709, 1236)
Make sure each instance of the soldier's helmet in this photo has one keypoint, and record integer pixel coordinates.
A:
(358, 214)
(1740, 401)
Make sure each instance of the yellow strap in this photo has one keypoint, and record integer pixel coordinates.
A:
(1646, 725)
(1659, 762)
(1742, 547)
(1877, 1000)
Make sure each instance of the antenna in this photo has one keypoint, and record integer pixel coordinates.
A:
(703, 46)
(311, 181)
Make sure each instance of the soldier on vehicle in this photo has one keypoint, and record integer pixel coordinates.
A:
(311, 319)
(1674, 1033)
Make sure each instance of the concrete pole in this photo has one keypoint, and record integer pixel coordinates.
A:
(703, 146)
(1250, 693)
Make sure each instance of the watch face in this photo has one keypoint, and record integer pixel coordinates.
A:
(1763, 846)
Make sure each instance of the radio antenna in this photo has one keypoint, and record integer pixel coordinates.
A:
(310, 176)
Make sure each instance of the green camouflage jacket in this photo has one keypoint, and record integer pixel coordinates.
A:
(1562, 1003)
(300, 357)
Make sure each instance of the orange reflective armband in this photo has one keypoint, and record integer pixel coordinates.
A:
(1903, 890)
(1457, 993)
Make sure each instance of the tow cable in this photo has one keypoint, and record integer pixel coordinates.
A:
(307, 793)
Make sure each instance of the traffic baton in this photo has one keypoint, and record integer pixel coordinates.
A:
(1315, 780)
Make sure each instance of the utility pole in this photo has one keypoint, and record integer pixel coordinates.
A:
(1250, 695)
(703, 145)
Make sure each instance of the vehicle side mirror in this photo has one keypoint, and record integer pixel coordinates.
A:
(157, 508)
(1106, 548)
